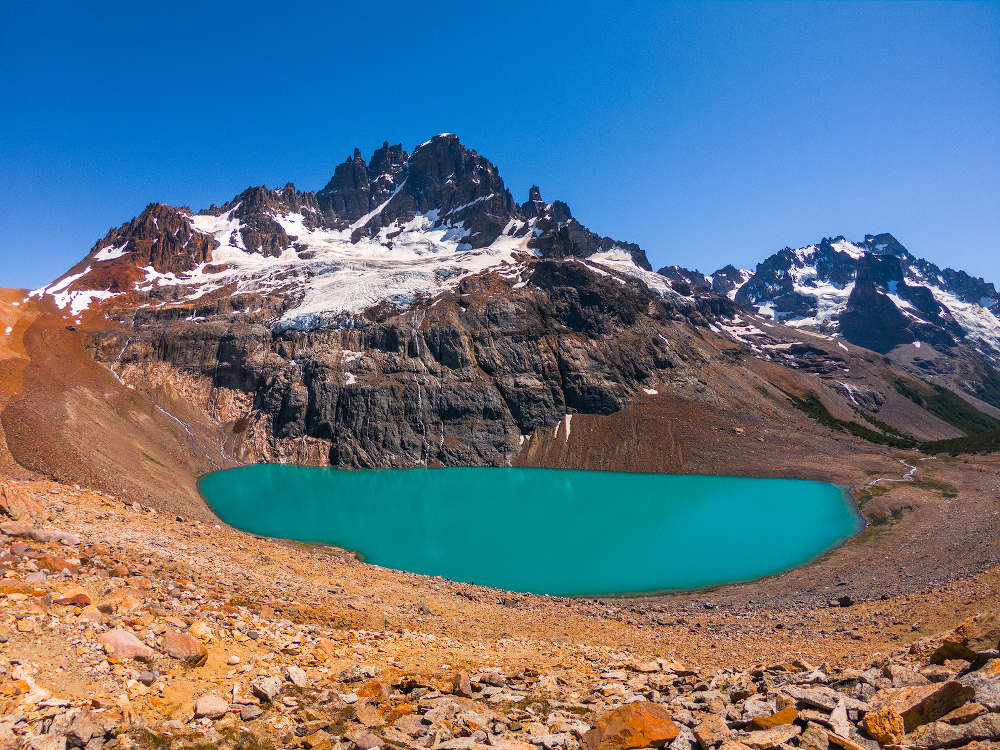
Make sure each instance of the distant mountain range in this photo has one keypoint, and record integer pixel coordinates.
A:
(874, 293)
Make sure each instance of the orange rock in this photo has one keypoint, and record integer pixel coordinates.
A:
(80, 599)
(326, 646)
(124, 644)
(185, 647)
(55, 564)
(640, 724)
(462, 685)
(922, 703)
(372, 689)
(842, 742)
(979, 633)
(11, 586)
(784, 716)
(90, 614)
(319, 740)
(885, 725)
(129, 602)
(403, 709)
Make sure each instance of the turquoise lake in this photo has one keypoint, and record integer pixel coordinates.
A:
(546, 531)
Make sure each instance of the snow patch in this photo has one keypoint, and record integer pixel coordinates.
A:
(620, 260)
(110, 252)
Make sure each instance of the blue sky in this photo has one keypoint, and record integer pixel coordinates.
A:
(708, 133)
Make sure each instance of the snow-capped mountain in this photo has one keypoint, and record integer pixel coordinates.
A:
(398, 228)
(874, 293)
(410, 312)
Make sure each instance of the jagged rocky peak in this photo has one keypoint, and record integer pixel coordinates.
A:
(160, 238)
(686, 275)
(559, 235)
(356, 188)
(727, 280)
(884, 244)
(534, 206)
(453, 184)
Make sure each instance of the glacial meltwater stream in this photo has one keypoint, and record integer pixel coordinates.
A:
(548, 531)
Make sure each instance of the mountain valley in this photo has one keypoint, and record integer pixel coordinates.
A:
(411, 313)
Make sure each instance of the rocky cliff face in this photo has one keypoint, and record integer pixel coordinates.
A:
(465, 380)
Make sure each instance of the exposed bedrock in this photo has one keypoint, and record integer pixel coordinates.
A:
(457, 382)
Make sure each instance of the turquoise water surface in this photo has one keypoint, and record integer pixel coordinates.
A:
(547, 531)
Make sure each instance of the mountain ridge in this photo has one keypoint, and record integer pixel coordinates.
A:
(410, 312)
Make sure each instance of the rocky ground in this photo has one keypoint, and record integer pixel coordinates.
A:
(121, 626)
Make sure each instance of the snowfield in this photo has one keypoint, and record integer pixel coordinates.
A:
(326, 276)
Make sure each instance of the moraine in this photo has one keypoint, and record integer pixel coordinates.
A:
(546, 531)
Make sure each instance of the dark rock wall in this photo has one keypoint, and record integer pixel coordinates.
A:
(458, 383)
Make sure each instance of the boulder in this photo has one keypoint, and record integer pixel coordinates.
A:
(80, 599)
(16, 505)
(765, 739)
(266, 688)
(964, 714)
(640, 724)
(941, 734)
(369, 715)
(821, 697)
(123, 644)
(462, 685)
(975, 635)
(44, 742)
(885, 725)
(83, 729)
(211, 706)
(814, 737)
(986, 683)
(185, 647)
(17, 528)
(296, 676)
(368, 741)
(90, 614)
(711, 730)
(318, 740)
(494, 679)
(844, 743)
(922, 703)
(49, 535)
(904, 677)
(786, 715)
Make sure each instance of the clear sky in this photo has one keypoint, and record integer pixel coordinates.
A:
(708, 133)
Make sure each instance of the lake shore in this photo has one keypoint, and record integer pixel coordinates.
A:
(274, 605)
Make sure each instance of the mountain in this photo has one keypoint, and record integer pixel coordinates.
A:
(941, 324)
(411, 313)
(390, 231)
(876, 294)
